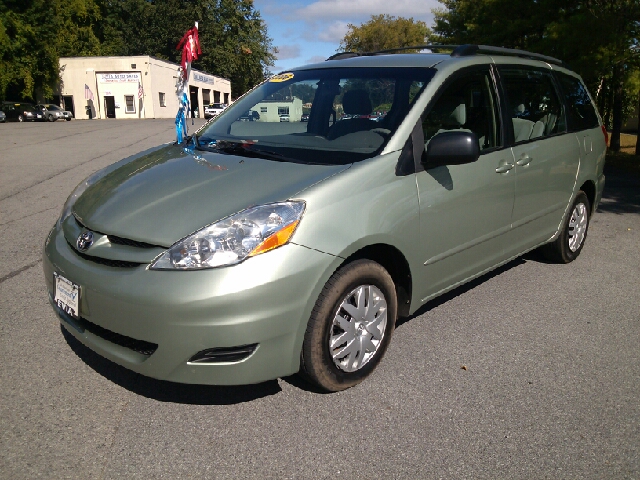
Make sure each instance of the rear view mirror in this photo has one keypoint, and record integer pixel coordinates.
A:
(451, 148)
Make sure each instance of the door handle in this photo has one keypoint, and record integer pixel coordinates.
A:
(504, 168)
(524, 160)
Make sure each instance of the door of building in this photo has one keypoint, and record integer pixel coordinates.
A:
(110, 106)
(67, 104)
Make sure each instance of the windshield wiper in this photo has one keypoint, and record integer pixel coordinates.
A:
(243, 150)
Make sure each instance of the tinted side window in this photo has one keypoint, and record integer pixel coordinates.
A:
(533, 103)
(469, 105)
(580, 112)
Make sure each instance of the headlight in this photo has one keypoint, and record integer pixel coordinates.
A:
(235, 238)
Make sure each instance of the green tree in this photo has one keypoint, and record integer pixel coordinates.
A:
(384, 32)
(28, 56)
(233, 37)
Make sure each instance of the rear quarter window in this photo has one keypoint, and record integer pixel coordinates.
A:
(580, 111)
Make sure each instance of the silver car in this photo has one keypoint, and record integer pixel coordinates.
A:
(51, 112)
(260, 249)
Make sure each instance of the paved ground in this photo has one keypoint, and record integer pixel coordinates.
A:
(551, 387)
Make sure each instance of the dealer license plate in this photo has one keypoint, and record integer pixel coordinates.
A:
(67, 295)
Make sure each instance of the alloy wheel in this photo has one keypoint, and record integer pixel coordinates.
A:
(577, 226)
(358, 328)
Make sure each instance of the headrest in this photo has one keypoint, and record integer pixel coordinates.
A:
(356, 102)
(520, 108)
(451, 111)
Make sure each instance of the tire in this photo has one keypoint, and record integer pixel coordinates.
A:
(569, 243)
(68, 119)
(333, 320)
(51, 119)
(20, 118)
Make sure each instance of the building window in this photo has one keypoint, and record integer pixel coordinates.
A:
(130, 105)
(133, 65)
(162, 99)
(283, 110)
(263, 109)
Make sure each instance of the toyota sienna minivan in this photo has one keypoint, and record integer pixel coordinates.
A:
(256, 250)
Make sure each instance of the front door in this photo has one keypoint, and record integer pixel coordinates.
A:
(465, 210)
(110, 106)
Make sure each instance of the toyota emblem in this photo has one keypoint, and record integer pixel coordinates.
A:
(85, 240)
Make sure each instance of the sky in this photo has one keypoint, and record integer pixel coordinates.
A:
(309, 31)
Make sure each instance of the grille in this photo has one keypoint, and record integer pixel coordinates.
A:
(120, 240)
(130, 243)
(106, 261)
(81, 324)
(141, 346)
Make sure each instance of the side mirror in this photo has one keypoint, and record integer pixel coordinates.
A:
(451, 148)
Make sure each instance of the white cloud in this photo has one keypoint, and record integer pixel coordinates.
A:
(286, 52)
(330, 9)
(315, 59)
(333, 32)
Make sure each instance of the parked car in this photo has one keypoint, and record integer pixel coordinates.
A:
(304, 117)
(3, 117)
(53, 112)
(214, 109)
(284, 117)
(21, 112)
(257, 250)
(249, 116)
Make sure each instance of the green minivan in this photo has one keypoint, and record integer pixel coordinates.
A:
(259, 249)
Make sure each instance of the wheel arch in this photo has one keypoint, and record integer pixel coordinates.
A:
(396, 264)
(589, 188)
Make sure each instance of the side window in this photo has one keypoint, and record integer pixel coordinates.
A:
(533, 103)
(469, 105)
(580, 111)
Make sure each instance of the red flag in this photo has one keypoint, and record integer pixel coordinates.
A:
(190, 48)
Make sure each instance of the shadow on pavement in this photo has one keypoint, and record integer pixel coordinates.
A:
(621, 192)
(462, 289)
(164, 391)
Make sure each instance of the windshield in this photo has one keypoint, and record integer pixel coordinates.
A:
(52, 107)
(323, 116)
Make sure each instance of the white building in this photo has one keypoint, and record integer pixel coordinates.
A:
(133, 87)
(272, 110)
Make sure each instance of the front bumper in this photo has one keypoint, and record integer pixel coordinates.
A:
(265, 300)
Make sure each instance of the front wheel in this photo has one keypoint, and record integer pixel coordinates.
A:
(20, 118)
(350, 326)
(51, 119)
(569, 243)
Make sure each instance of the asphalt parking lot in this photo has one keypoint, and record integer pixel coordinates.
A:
(532, 371)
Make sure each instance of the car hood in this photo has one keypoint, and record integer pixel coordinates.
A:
(171, 192)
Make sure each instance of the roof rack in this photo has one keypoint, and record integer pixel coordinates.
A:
(457, 51)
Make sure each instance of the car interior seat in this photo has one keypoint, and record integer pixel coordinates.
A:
(354, 102)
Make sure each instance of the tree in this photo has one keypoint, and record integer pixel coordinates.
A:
(28, 57)
(233, 37)
(384, 32)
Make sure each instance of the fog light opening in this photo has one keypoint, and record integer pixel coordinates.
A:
(224, 354)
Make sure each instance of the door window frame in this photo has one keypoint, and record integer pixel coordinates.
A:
(500, 109)
(507, 114)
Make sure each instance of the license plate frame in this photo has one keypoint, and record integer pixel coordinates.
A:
(66, 295)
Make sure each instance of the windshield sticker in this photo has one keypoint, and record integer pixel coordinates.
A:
(282, 77)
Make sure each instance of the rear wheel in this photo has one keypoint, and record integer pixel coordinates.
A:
(350, 326)
(20, 118)
(569, 243)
